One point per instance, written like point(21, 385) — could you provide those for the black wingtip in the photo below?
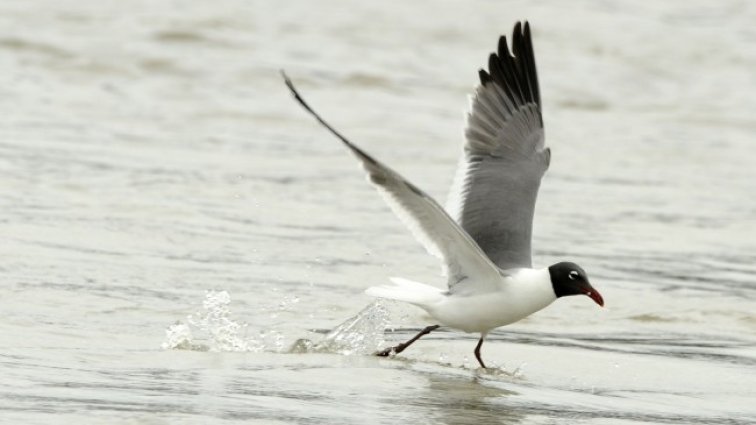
point(495, 68)
point(357, 151)
point(485, 78)
point(517, 40)
point(513, 68)
point(287, 80)
point(294, 91)
point(503, 47)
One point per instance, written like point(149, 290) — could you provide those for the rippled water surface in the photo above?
point(180, 243)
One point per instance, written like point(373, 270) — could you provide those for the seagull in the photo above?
point(483, 238)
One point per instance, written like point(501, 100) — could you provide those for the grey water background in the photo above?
point(151, 160)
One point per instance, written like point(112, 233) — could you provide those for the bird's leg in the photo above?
point(477, 351)
point(399, 348)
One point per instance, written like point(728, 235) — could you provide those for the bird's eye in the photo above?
point(573, 275)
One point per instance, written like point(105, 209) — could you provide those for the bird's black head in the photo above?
point(570, 279)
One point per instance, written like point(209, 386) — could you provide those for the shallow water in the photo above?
point(151, 160)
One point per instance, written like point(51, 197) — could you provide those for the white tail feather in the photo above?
point(408, 291)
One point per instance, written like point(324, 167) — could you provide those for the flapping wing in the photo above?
point(428, 221)
point(495, 189)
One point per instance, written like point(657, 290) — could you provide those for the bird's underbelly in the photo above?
point(483, 312)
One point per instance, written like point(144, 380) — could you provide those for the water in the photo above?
point(182, 244)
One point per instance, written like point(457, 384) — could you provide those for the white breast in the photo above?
point(521, 294)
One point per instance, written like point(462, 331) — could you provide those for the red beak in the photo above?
point(594, 294)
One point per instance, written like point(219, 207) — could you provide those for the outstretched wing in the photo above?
point(428, 221)
point(495, 189)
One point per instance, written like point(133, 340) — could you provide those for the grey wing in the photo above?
point(495, 189)
point(461, 257)
point(430, 224)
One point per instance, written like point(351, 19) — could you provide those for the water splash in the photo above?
point(212, 329)
point(359, 335)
